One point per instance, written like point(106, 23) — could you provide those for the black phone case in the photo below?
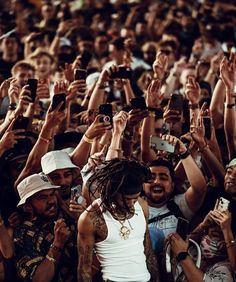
point(80, 74)
point(182, 227)
point(33, 84)
point(106, 109)
point(57, 99)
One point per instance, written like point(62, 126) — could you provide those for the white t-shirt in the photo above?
point(160, 229)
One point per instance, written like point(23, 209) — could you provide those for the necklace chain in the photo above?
point(124, 230)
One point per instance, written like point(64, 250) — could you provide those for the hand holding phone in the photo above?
point(57, 99)
point(80, 74)
point(161, 145)
point(76, 195)
point(207, 124)
point(21, 122)
point(222, 204)
point(122, 72)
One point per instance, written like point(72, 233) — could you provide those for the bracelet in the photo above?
point(230, 106)
point(193, 106)
point(55, 248)
point(184, 155)
point(152, 114)
point(12, 107)
point(51, 259)
point(101, 85)
point(114, 149)
point(45, 140)
point(201, 150)
point(230, 244)
point(87, 139)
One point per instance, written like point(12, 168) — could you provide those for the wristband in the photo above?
point(12, 106)
point(193, 106)
point(101, 85)
point(184, 155)
point(230, 106)
point(230, 244)
point(51, 259)
point(181, 256)
point(87, 139)
point(45, 140)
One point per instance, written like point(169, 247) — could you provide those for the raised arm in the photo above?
point(85, 244)
point(227, 73)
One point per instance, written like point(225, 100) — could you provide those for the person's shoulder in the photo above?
point(143, 203)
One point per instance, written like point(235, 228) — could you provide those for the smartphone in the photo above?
point(86, 57)
point(57, 99)
point(182, 227)
point(21, 122)
point(122, 72)
point(176, 102)
point(222, 204)
point(138, 103)
point(207, 125)
point(76, 194)
point(106, 109)
point(80, 74)
point(33, 84)
point(161, 145)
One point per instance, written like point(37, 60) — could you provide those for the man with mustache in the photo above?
point(164, 205)
point(45, 246)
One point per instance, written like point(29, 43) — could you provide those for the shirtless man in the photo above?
point(115, 226)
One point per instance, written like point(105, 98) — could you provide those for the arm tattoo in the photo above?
point(152, 263)
point(84, 271)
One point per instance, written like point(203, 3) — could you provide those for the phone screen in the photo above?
point(176, 102)
point(57, 99)
point(182, 227)
point(80, 74)
point(21, 122)
point(207, 125)
point(138, 103)
point(161, 145)
point(122, 72)
point(33, 84)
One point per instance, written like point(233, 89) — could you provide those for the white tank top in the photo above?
point(124, 260)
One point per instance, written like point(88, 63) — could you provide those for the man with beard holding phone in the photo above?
point(45, 243)
point(164, 205)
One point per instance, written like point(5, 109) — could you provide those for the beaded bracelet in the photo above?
point(55, 248)
point(230, 106)
point(44, 139)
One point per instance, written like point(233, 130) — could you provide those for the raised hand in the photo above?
point(160, 66)
point(98, 127)
point(61, 233)
point(154, 96)
point(227, 72)
point(120, 121)
point(192, 90)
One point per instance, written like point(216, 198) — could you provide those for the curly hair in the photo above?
point(118, 176)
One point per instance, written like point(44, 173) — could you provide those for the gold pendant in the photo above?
point(124, 232)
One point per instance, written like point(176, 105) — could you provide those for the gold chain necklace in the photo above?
point(124, 230)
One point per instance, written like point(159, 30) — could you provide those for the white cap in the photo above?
point(56, 160)
point(33, 184)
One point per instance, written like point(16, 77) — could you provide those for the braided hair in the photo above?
point(118, 176)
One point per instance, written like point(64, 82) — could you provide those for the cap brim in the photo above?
point(47, 171)
point(23, 200)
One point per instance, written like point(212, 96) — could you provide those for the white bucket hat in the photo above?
point(56, 160)
point(33, 184)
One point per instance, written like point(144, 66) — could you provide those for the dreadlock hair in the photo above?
point(118, 176)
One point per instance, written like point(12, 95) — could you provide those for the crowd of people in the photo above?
point(117, 140)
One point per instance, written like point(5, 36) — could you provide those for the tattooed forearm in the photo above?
point(152, 263)
point(84, 270)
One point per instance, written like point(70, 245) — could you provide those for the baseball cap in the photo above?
point(56, 160)
point(33, 184)
point(232, 163)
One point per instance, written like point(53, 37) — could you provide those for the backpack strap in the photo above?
point(173, 210)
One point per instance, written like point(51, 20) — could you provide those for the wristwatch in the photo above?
point(181, 256)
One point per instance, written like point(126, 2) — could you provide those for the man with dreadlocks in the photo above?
point(115, 226)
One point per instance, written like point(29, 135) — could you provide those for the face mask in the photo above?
point(211, 248)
